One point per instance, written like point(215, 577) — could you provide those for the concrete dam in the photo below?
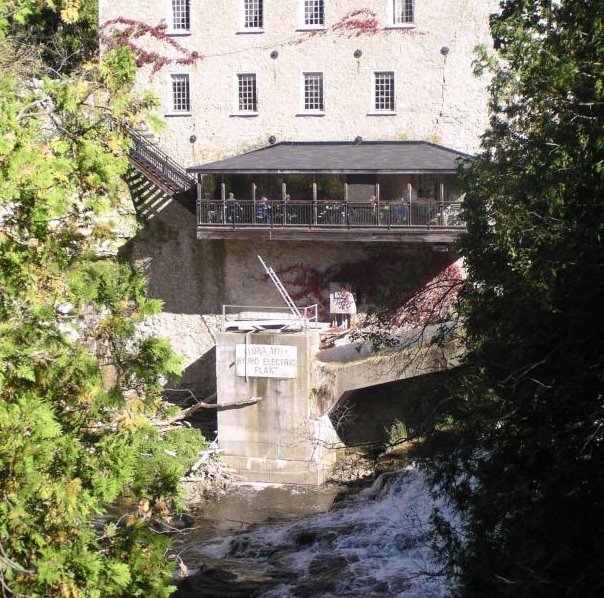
point(278, 391)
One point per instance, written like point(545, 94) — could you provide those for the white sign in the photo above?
point(266, 361)
point(341, 299)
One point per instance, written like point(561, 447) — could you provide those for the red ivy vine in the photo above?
point(354, 24)
point(404, 292)
point(123, 32)
point(434, 302)
point(357, 23)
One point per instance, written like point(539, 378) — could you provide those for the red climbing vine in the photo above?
point(434, 302)
point(125, 32)
point(403, 291)
point(357, 23)
point(353, 24)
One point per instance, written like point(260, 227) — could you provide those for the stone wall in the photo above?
point(196, 278)
point(437, 97)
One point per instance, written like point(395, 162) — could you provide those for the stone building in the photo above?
point(312, 70)
point(337, 111)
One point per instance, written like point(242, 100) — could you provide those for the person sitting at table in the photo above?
point(233, 209)
point(400, 211)
point(263, 210)
point(289, 211)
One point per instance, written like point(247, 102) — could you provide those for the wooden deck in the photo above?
point(291, 233)
point(421, 222)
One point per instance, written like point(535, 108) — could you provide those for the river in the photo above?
point(283, 541)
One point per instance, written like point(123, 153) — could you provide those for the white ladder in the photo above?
point(288, 300)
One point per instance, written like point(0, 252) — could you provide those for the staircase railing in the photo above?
point(160, 164)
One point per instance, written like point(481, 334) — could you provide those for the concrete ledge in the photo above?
point(277, 471)
point(336, 379)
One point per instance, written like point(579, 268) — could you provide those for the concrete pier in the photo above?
point(268, 424)
point(276, 391)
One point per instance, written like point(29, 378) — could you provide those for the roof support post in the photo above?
point(376, 205)
point(314, 203)
point(409, 195)
point(441, 193)
point(223, 197)
point(254, 219)
point(344, 211)
point(198, 189)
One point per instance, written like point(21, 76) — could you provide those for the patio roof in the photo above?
point(367, 157)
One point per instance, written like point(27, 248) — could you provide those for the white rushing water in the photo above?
point(372, 544)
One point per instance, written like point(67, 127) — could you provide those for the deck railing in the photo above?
point(300, 214)
point(234, 316)
point(160, 164)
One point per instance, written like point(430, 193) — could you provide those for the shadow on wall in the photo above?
point(185, 273)
point(148, 199)
point(200, 376)
point(369, 418)
point(198, 383)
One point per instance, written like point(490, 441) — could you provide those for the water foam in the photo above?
point(374, 544)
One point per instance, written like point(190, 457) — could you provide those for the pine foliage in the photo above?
point(524, 437)
point(78, 386)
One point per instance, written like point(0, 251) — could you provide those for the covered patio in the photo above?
point(361, 191)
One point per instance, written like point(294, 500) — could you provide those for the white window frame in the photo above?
point(239, 79)
point(374, 94)
point(246, 8)
point(172, 29)
point(174, 108)
point(395, 8)
point(316, 4)
point(319, 111)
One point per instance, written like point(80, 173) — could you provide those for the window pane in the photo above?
point(248, 100)
point(403, 11)
point(384, 91)
point(181, 14)
point(313, 12)
point(181, 100)
point(313, 91)
point(253, 13)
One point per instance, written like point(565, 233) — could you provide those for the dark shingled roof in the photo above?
point(341, 157)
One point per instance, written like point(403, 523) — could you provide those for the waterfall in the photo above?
point(374, 543)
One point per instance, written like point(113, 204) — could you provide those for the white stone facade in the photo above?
point(437, 98)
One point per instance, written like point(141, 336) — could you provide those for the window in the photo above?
point(314, 13)
point(248, 97)
point(384, 92)
point(181, 15)
point(181, 95)
point(313, 92)
point(253, 14)
point(403, 12)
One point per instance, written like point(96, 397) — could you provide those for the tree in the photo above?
point(524, 434)
point(78, 386)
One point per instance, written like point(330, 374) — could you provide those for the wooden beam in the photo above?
point(408, 234)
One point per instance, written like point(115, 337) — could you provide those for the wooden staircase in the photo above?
point(158, 170)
